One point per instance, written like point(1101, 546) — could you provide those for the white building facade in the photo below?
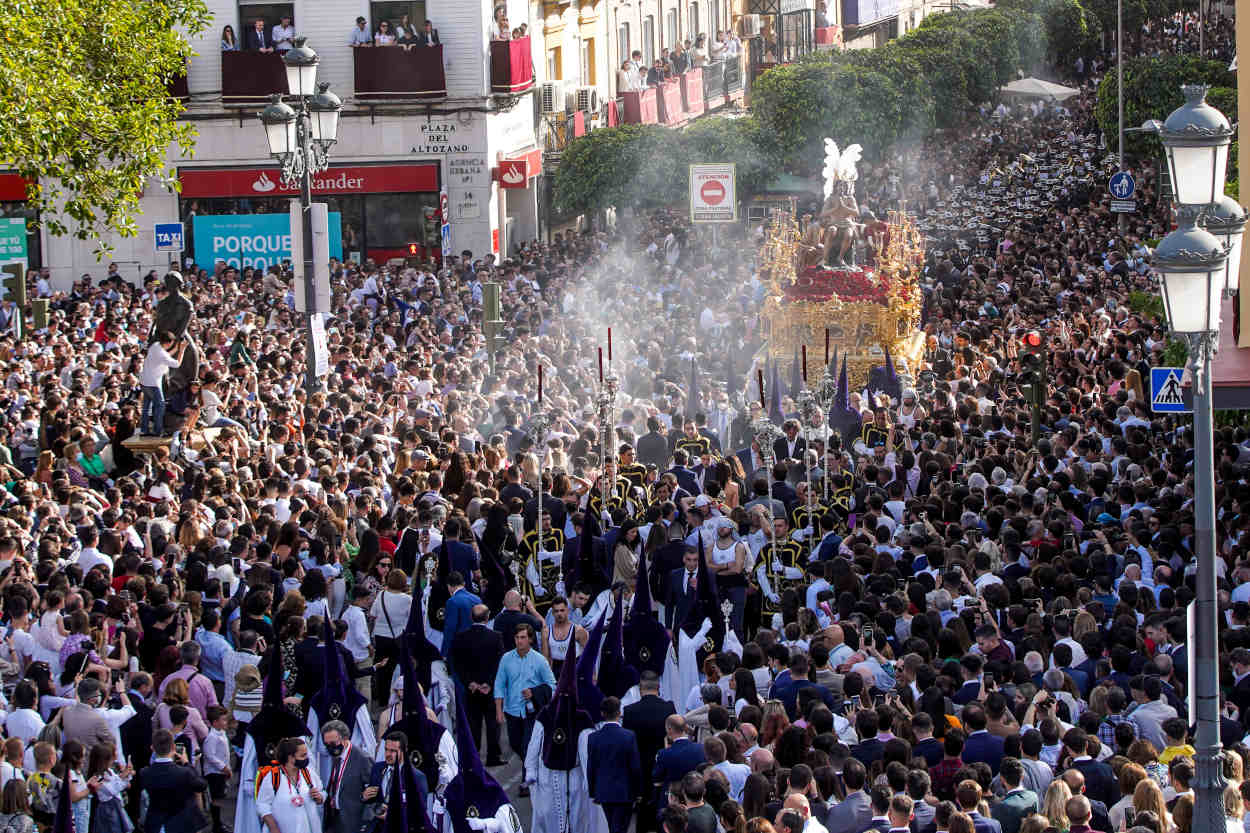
point(407, 136)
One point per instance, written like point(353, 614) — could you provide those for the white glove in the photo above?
point(487, 825)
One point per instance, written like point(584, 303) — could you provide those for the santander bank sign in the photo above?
point(339, 183)
point(339, 179)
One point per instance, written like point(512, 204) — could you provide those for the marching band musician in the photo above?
point(543, 559)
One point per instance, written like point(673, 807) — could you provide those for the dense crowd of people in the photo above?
point(312, 610)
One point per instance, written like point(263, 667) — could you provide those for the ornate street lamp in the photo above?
point(1195, 266)
point(300, 139)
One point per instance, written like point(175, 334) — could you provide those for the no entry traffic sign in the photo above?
point(712, 192)
point(713, 197)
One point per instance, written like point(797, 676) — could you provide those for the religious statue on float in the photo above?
point(840, 213)
point(830, 241)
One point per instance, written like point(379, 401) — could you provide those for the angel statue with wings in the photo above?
point(839, 213)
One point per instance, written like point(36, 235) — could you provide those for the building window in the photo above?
point(693, 21)
point(270, 13)
point(648, 40)
point(588, 61)
point(622, 42)
point(393, 11)
point(670, 28)
point(555, 71)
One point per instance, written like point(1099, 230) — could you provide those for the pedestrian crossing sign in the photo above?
point(1167, 394)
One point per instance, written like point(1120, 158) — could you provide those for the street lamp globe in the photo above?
point(279, 121)
point(325, 107)
point(1191, 262)
point(301, 69)
point(1195, 139)
point(1226, 219)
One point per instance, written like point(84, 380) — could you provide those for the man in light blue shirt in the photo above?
point(213, 649)
point(521, 671)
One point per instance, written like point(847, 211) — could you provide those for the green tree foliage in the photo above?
point(1071, 32)
point(876, 98)
point(85, 108)
point(741, 141)
point(647, 165)
point(1152, 90)
point(628, 165)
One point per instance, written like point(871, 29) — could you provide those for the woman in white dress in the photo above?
point(289, 796)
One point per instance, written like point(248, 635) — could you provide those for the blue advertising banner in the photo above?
point(864, 12)
point(256, 240)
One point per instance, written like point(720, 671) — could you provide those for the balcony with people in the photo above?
point(683, 83)
point(511, 61)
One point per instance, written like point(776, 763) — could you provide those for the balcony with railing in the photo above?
point(249, 78)
point(511, 66)
point(679, 99)
point(395, 73)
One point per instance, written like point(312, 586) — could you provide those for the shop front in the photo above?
point(381, 208)
point(15, 212)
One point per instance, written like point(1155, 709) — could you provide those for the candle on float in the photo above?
point(826, 345)
point(805, 364)
point(540, 384)
point(601, 365)
point(609, 345)
point(759, 378)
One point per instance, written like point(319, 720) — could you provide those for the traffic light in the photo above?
point(1032, 367)
point(414, 255)
point(40, 309)
point(15, 284)
point(492, 323)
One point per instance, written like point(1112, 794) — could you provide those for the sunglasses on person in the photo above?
point(385, 564)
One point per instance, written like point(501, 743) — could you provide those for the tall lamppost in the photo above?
point(300, 140)
point(1196, 266)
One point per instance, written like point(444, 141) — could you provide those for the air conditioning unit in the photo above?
point(551, 95)
point(584, 98)
point(750, 26)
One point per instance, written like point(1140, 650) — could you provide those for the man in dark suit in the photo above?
point(475, 654)
point(459, 612)
point(171, 786)
point(781, 490)
point(970, 666)
point(460, 556)
point(429, 37)
point(870, 748)
point(646, 720)
point(680, 755)
point(136, 732)
point(1099, 819)
point(1100, 781)
point(927, 746)
point(686, 478)
point(349, 775)
point(613, 770)
point(968, 797)
point(255, 39)
point(854, 812)
point(981, 746)
point(879, 796)
point(652, 446)
point(1240, 695)
point(791, 446)
point(681, 589)
point(922, 812)
point(377, 795)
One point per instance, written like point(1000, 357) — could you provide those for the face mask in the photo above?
point(301, 763)
point(334, 749)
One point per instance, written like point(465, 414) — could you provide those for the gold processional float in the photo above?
point(814, 285)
